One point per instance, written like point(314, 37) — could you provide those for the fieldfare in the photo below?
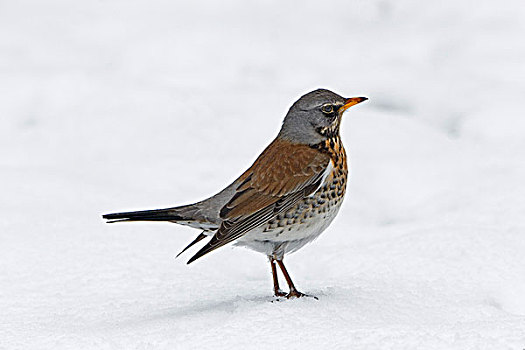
point(287, 198)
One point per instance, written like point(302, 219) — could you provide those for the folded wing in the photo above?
point(283, 174)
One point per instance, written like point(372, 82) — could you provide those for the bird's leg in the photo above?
point(276, 290)
point(294, 293)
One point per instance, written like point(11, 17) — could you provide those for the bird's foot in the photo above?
point(279, 293)
point(294, 293)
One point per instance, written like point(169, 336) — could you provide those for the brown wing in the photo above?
point(282, 175)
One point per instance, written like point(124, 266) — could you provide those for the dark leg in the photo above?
point(276, 290)
point(294, 293)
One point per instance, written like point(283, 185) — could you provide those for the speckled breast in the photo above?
point(313, 214)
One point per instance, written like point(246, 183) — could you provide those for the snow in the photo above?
point(117, 105)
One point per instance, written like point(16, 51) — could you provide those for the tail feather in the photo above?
point(188, 215)
point(170, 214)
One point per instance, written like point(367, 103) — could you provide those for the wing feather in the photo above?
point(282, 175)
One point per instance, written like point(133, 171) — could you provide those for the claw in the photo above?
point(296, 294)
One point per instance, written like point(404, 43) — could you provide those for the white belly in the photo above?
point(292, 234)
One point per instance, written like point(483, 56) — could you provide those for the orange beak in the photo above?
point(350, 102)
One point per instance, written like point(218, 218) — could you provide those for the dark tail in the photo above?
point(170, 214)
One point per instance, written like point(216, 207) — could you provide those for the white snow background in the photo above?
point(126, 105)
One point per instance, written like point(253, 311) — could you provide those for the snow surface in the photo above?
point(122, 105)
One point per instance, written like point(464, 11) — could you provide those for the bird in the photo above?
point(284, 200)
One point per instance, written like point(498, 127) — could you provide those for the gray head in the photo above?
point(316, 116)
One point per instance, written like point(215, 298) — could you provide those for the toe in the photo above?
point(296, 294)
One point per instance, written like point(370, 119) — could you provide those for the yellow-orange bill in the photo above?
point(352, 101)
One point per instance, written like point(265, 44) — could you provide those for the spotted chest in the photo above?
point(335, 183)
point(308, 218)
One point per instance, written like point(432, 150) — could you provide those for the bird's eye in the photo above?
point(327, 108)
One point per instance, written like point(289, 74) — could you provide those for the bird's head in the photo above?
point(316, 116)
